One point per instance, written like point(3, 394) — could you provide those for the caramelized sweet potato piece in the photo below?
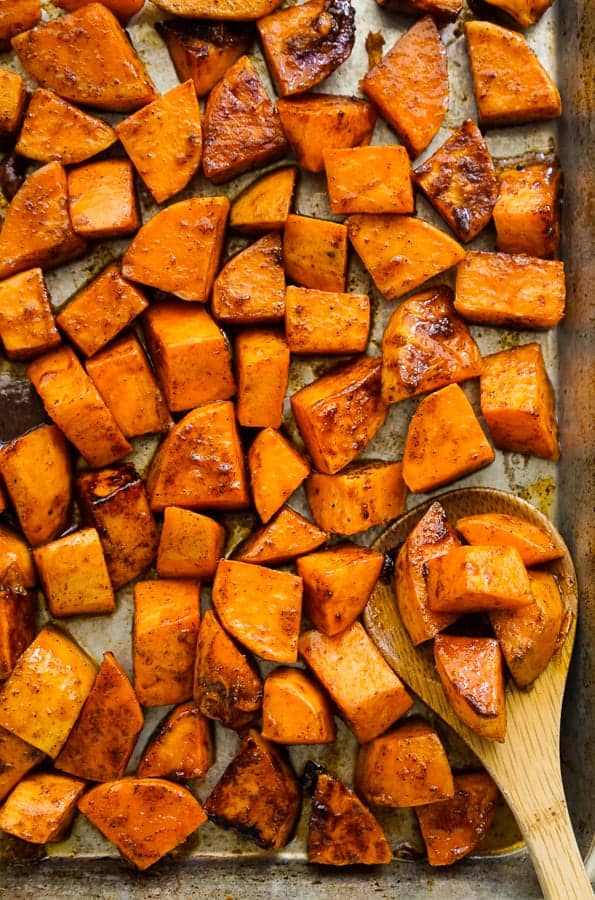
point(444, 441)
point(276, 471)
point(74, 575)
point(510, 84)
point(242, 129)
point(16, 759)
point(250, 288)
point(227, 685)
point(401, 252)
point(315, 252)
point(369, 180)
point(181, 748)
point(122, 9)
point(339, 414)
point(27, 325)
point(497, 529)
point(426, 346)
point(337, 584)
point(452, 829)
point(527, 214)
point(102, 199)
point(265, 204)
point(87, 58)
point(295, 710)
point(472, 676)
point(369, 695)
point(16, 557)
point(17, 16)
point(18, 620)
point(518, 402)
point(326, 321)
point(410, 85)
point(190, 545)
point(477, 579)
point(144, 817)
point(242, 10)
point(441, 10)
point(13, 97)
point(284, 538)
point(524, 12)
point(262, 364)
point(41, 807)
point(314, 123)
point(101, 743)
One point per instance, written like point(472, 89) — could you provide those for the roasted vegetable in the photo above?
point(262, 367)
point(369, 179)
point(27, 325)
point(242, 10)
point(41, 807)
point(13, 98)
point(284, 538)
point(18, 620)
point(181, 748)
point(315, 253)
point(123, 9)
point(102, 199)
point(265, 204)
point(16, 560)
point(74, 576)
point(17, 16)
point(441, 10)
point(276, 471)
point(527, 214)
point(250, 288)
point(326, 322)
point(16, 759)
point(477, 579)
point(295, 710)
point(524, 12)
point(190, 545)
point(500, 530)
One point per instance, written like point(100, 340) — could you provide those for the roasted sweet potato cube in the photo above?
point(401, 252)
point(164, 141)
point(534, 544)
point(178, 250)
point(265, 204)
point(166, 619)
point(242, 129)
point(441, 10)
point(190, 545)
point(315, 123)
point(326, 321)
point(115, 502)
point(123, 9)
point(204, 51)
point(45, 692)
point(74, 576)
point(41, 807)
point(477, 579)
point(510, 84)
point(315, 253)
point(407, 766)
point(369, 180)
point(528, 636)
point(444, 441)
point(453, 828)
point(276, 471)
point(36, 472)
point(102, 200)
point(74, 403)
point(18, 620)
point(16, 560)
point(102, 309)
point(12, 104)
point(87, 58)
point(250, 288)
point(432, 536)
point(518, 402)
point(16, 759)
point(227, 685)
point(228, 10)
point(527, 213)
point(181, 748)
point(101, 743)
point(304, 44)
point(368, 694)
point(524, 12)
point(122, 375)
point(358, 498)
point(200, 464)
point(257, 795)
point(426, 346)
point(27, 325)
point(190, 354)
point(284, 538)
point(262, 365)
point(144, 817)
point(295, 710)
point(17, 16)
point(339, 414)
point(460, 182)
point(410, 85)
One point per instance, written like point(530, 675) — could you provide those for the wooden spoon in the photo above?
point(527, 766)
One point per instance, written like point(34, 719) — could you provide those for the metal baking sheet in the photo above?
point(219, 864)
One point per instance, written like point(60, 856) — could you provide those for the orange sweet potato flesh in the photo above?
point(41, 808)
point(452, 829)
point(16, 17)
point(181, 748)
point(527, 213)
point(369, 180)
point(477, 579)
point(13, 100)
point(87, 58)
point(441, 10)
point(472, 676)
point(190, 545)
point(250, 288)
point(265, 204)
point(262, 364)
point(241, 10)
point(74, 576)
point(144, 817)
point(102, 199)
point(16, 559)
point(123, 9)
point(276, 471)
point(16, 759)
point(410, 85)
point(315, 253)
point(27, 324)
point(284, 538)
point(326, 321)
point(295, 710)
point(524, 12)
point(498, 529)
point(18, 621)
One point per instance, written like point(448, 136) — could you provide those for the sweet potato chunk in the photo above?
point(497, 529)
point(265, 204)
point(510, 84)
point(295, 710)
point(36, 473)
point(250, 288)
point(460, 182)
point(242, 129)
point(27, 325)
point(200, 464)
point(122, 9)
point(16, 560)
point(102, 199)
point(326, 321)
point(101, 743)
point(432, 536)
point(16, 759)
point(407, 766)
point(13, 97)
point(441, 10)
point(426, 346)
point(513, 291)
point(477, 579)
point(190, 545)
point(518, 402)
point(87, 58)
point(452, 829)
point(527, 214)
point(144, 817)
point(369, 695)
point(242, 10)
point(524, 12)
point(227, 685)
point(444, 441)
point(262, 364)
point(18, 620)
point(358, 498)
point(401, 252)
point(178, 250)
point(528, 636)
point(284, 538)
point(17, 16)
point(41, 807)
point(472, 676)
point(181, 748)
point(74, 575)
point(369, 180)
point(315, 253)
point(276, 471)
point(338, 584)
point(315, 123)
point(410, 85)
point(339, 414)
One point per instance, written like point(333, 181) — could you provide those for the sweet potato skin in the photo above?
point(181, 747)
point(295, 710)
point(41, 807)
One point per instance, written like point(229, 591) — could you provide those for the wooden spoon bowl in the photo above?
point(527, 766)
